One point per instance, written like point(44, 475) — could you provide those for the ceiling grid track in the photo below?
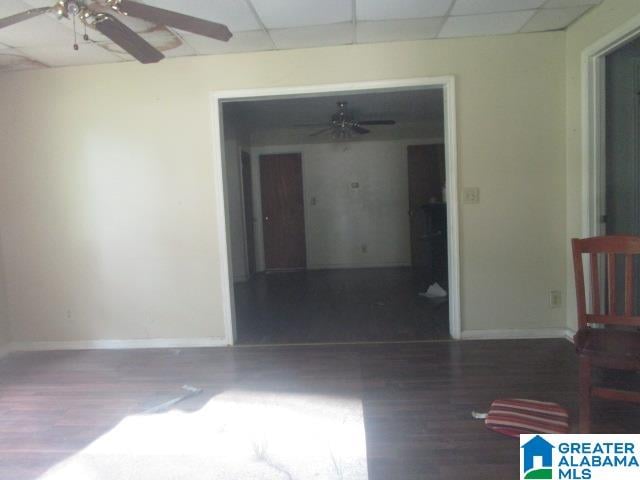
point(260, 22)
point(444, 18)
point(354, 21)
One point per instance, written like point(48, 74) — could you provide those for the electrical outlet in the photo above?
point(471, 195)
point(555, 298)
point(364, 248)
point(355, 185)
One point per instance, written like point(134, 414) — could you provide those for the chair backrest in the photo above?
point(611, 249)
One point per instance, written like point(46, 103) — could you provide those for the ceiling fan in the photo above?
point(343, 125)
point(99, 17)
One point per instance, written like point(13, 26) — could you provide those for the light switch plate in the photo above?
point(555, 299)
point(471, 195)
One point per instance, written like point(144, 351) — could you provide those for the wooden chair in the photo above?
point(606, 338)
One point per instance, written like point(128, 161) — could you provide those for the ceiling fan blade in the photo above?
point(173, 19)
point(21, 17)
point(126, 38)
point(359, 129)
point(320, 132)
point(377, 122)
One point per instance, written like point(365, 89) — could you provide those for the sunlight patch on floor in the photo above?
point(235, 434)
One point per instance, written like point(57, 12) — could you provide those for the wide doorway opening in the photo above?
point(337, 217)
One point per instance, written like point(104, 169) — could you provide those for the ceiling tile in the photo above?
point(59, 56)
point(11, 60)
point(395, 30)
point(314, 36)
point(492, 24)
point(163, 39)
point(410, 9)
point(473, 7)
point(235, 14)
point(300, 13)
point(569, 3)
point(240, 42)
point(10, 7)
point(39, 3)
point(554, 19)
point(43, 30)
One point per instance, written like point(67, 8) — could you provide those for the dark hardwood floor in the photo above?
point(331, 306)
point(416, 397)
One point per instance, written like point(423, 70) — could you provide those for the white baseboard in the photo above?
point(569, 333)
point(119, 344)
point(507, 334)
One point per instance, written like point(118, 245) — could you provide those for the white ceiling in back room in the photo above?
point(257, 25)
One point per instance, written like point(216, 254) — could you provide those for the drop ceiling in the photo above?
point(259, 25)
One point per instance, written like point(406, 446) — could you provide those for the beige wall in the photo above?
point(595, 25)
point(107, 183)
point(339, 219)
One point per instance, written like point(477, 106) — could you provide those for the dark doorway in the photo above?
point(622, 216)
point(428, 212)
point(283, 212)
point(623, 140)
point(349, 242)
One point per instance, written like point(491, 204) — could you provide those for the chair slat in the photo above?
point(595, 284)
point(628, 285)
point(631, 321)
point(613, 394)
point(611, 281)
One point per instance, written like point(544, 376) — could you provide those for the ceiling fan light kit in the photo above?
point(119, 33)
point(342, 125)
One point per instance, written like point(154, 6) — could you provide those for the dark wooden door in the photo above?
point(247, 195)
point(283, 212)
point(426, 182)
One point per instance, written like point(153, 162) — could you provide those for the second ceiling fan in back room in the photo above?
point(99, 15)
point(343, 125)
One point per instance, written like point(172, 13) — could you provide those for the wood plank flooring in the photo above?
point(416, 397)
point(332, 306)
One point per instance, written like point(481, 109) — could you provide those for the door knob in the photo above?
point(266, 219)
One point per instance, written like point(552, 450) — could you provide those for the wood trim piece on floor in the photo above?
point(351, 266)
point(507, 334)
point(117, 344)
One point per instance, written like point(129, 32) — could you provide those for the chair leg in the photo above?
point(585, 395)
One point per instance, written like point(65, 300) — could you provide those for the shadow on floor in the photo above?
point(333, 306)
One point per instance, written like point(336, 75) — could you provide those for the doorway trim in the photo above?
point(594, 123)
point(447, 83)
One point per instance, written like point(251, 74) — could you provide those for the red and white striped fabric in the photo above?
point(514, 416)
